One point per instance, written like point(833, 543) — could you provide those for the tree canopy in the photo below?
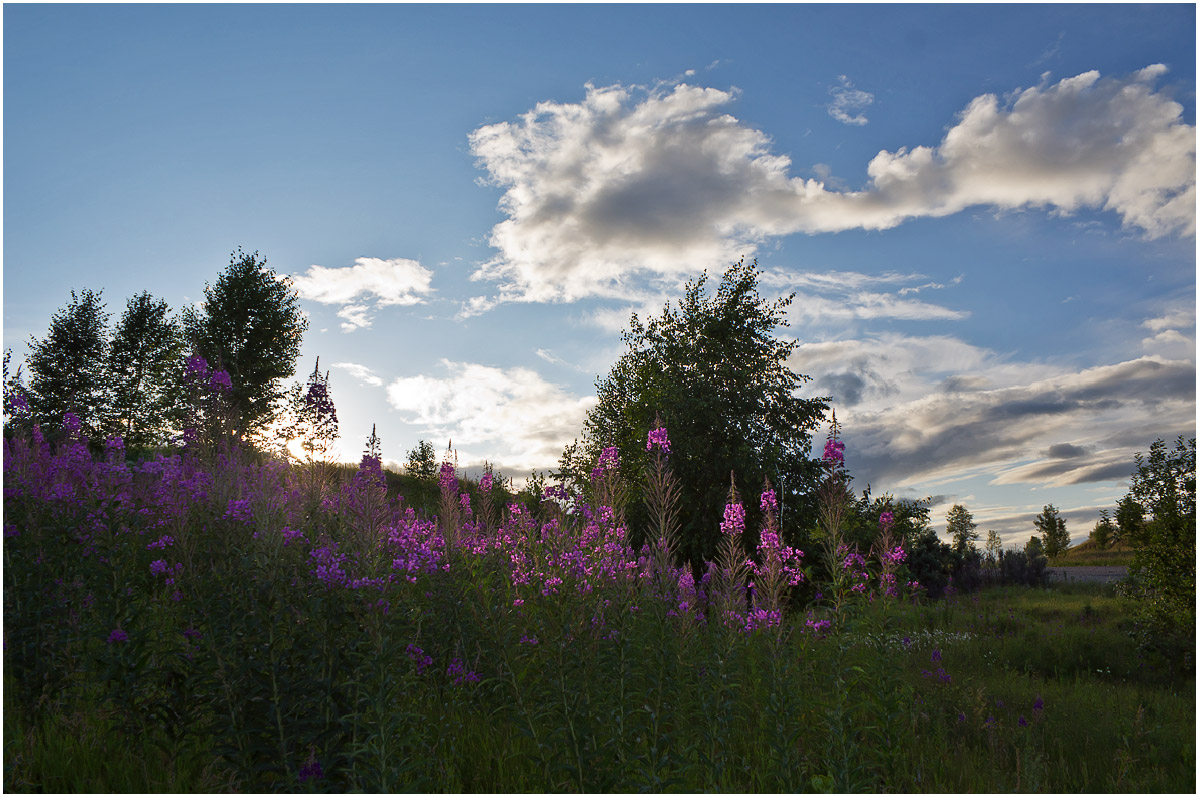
point(1052, 527)
point(250, 326)
point(713, 372)
point(67, 367)
point(145, 364)
point(960, 525)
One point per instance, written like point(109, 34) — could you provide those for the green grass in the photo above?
point(1087, 554)
point(659, 710)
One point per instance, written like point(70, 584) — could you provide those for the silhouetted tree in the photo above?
point(67, 368)
point(250, 326)
point(145, 365)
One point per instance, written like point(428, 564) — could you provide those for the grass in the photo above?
point(290, 650)
point(1088, 554)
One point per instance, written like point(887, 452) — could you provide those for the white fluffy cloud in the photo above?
point(512, 411)
point(370, 283)
point(635, 185)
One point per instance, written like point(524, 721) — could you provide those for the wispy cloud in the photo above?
point(921, 410)
point(512, 411)
point(361, 373)
point(363, 287)
point(849, 103)
point(634, 186)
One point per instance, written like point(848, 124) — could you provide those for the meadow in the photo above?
point(217, 620)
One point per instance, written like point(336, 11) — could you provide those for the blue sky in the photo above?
point(986, 213)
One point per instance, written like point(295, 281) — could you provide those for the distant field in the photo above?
point(1087, 554)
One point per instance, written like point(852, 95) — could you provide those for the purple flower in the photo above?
point(936, 655)
point(311, 770)
point(447, 477)
point(71, 424)
point(158, 567)
point(734, 519)
point(1023, 722)
point(961, 716)
point(1039, 704)
point(769, 501)
point(657, 437)
point(486, 483)
point(834, 452)
point(117, 635)
point(221, 382)
point(886, 520)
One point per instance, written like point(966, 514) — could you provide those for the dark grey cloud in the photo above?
point(1066, 451)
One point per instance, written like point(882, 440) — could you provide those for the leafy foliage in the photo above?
point(251, 327)
point(1054, 537)
point(713, 371)
point(962, 529)
point(1104, 533)
point(145, 364)
point(67, 367)
point(1157, 517)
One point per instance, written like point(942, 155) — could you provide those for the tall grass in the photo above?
point(231, 625)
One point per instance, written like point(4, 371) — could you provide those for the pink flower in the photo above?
point(734, 519)
point(657, 437)
point(834, 452)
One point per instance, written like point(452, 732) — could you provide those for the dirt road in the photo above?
point(1058, 575)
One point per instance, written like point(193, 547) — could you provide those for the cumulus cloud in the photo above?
point(848, 102)
point(634, 185)
point(512, 411)
point(363, 287)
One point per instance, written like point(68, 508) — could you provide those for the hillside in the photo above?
point(1087, 554)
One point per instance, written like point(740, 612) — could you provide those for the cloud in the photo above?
point(843, 295)
point(361, 373)
point(636, 186)
point(512, 411)
point(848, 102)
point(363, 287)
point(1019, 433)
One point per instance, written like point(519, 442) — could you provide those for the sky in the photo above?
point(986, 214)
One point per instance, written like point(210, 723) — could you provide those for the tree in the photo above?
point(962, 529)
point(422, 461)
point(994, 546)
point(719, 379)
point(1104, 531)
point(250, 326)
point(67, 371)
point(16, 397)
point(145, 364)
point(1033, 548)
point(1159, 523)
point(1054, 536)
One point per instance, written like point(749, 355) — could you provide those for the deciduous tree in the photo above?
point(962, 529)
point(250, 326)
point(145, 365)
point(1052, 527)
point(67, 368)
point(713, 369)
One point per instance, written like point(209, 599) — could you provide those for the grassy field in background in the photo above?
point(1087, 554)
